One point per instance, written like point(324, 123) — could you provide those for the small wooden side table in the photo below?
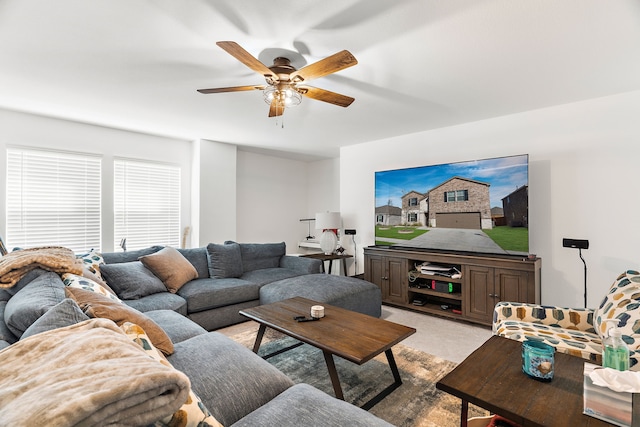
point(330, 258)
point(492, 378)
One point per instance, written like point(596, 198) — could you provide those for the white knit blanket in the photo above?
point(87, 374)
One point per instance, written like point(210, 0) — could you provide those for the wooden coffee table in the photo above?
point(353, 336)
point(492, 378)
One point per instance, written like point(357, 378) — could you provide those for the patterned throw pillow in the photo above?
point(92, 262)
point(622, 303)
point(80, 282)
point(193, 413)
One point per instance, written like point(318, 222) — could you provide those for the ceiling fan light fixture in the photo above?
point(288, 97)
point(284, 88)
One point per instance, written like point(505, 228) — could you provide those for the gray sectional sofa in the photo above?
point(238, 387)
point(229, 278)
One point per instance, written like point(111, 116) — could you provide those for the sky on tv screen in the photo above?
point(504, 174)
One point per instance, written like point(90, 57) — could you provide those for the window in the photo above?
point(456, 196)
point(379, 218)
point(413, 201)
point(146, 204)
point(412, 217)
point(53, 198)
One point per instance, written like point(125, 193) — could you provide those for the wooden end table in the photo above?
point(353, 336)
point(492, 378)
point(330, 258)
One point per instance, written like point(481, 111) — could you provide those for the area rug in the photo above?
point(415, 403)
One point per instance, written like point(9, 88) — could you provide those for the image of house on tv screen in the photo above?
point(474, 206)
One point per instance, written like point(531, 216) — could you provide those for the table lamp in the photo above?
point(328, 222)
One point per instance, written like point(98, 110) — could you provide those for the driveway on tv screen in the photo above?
point(453, 239)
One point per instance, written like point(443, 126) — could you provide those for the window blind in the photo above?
point(146, 204)
point(53, 198)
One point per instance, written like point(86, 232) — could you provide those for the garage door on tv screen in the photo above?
point(476, 206)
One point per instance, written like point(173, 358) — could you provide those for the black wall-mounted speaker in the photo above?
point(575, 243)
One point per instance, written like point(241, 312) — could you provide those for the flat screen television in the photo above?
point(477, 206)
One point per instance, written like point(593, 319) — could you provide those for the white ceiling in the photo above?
point(423, 64)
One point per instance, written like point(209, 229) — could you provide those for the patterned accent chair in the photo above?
point(577, 331)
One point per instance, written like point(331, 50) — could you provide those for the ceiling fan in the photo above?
point(285, 84)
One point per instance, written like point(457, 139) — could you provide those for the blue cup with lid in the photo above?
point(537, 360)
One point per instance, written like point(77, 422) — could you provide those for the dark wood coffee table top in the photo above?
point(492, 378)
point(347, 334)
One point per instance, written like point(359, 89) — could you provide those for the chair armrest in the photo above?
point(302, 264)
point(580, 319)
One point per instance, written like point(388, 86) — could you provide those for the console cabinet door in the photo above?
point(479, 293)
point(374, 271)
point(389, 274)
point(513, 285)
point(397, 280)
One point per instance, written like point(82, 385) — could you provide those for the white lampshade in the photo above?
point(327, 220)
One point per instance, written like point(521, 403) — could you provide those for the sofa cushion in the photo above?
point(231, 380)
point(5, 332)
point(177, 326)
point(268, 275)
point(198, 258)
point(159, 301)
point(65, 313)
point(129, 256)
point(171, 267)
point(304, 405)
point(32, 301)
point(256, 256)
point(225, 261)
point(622, 302)
point(5, 295)
point(132, 280)
point(205, 294)
point(96, 305)
point(25, 280)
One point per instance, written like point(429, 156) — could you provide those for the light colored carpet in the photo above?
point(415, 403)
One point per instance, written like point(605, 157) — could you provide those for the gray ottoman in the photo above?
point(345, 292)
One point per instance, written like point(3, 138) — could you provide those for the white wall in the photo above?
point(20, 129)
point(271, 199)
point(214, 192)
point(583, 183)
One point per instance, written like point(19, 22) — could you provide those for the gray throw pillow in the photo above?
point(65, 313)
point(225, 261)
point(131, 280)
point(5, 333)
point(256, 256)
point(197, 257)
point(32, 301)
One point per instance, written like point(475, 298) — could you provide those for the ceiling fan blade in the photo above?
point(331, 64)
point(325, 96)
point(232, 89)
point(235, 50)
point(275, 109)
